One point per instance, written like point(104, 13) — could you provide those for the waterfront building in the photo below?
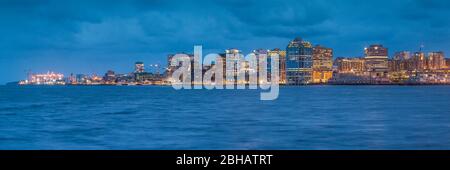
point(401, 62)
point(232, 69)
point(110, 77)
point(148, 78)
point(434, 77)
point(400, 66)
point(447, 62)
point(171, 69)
point(376, 63)
point(394, 65)
point(124, 78)
point(436, 60)
point(398, 76)
point(402, 55)
point(72, 79)
point(49, 78)
point(139, 67)
point(282, 59)
point(95, 80)
point(222, 59)
point(299, 62)
point(322, 64)
point(351, 79)
point(258, 53)
point(353, 65)
point(419, 61)
point(81, 78)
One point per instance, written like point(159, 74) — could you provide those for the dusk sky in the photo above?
point(93, 36)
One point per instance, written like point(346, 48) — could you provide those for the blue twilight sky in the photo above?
point(93, 36)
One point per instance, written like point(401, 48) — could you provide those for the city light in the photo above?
point(300, 64)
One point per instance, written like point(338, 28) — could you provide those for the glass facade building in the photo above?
point(299, 62)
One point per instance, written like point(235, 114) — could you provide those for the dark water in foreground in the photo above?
point(314, 117)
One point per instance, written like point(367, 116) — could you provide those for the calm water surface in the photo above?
point(313, 117)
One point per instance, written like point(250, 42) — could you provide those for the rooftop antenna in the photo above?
point(421, 47)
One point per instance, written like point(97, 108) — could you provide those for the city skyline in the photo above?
point(300, 64)
point(84, 37)
point(322, 69)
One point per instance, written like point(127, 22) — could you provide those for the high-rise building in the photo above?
point(419, 61)
point(401, 62)
point(299, 62)
point(232, 69)
point(258, 53)
point(322, 64)
point(402, 55)
point(436, 60)
point(139, 67)
point(376, 57)
point(282, 60)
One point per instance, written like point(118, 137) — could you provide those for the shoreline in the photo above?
point(281, 85)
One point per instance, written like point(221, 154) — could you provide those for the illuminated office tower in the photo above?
point(139, 67)
point(419, 61)
point(270, 55)
point(376, 63)
point(299, 62)
point(259, 53)
point(232, 69)
point(436, 60)
point(282, 60)
point(322, 64)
